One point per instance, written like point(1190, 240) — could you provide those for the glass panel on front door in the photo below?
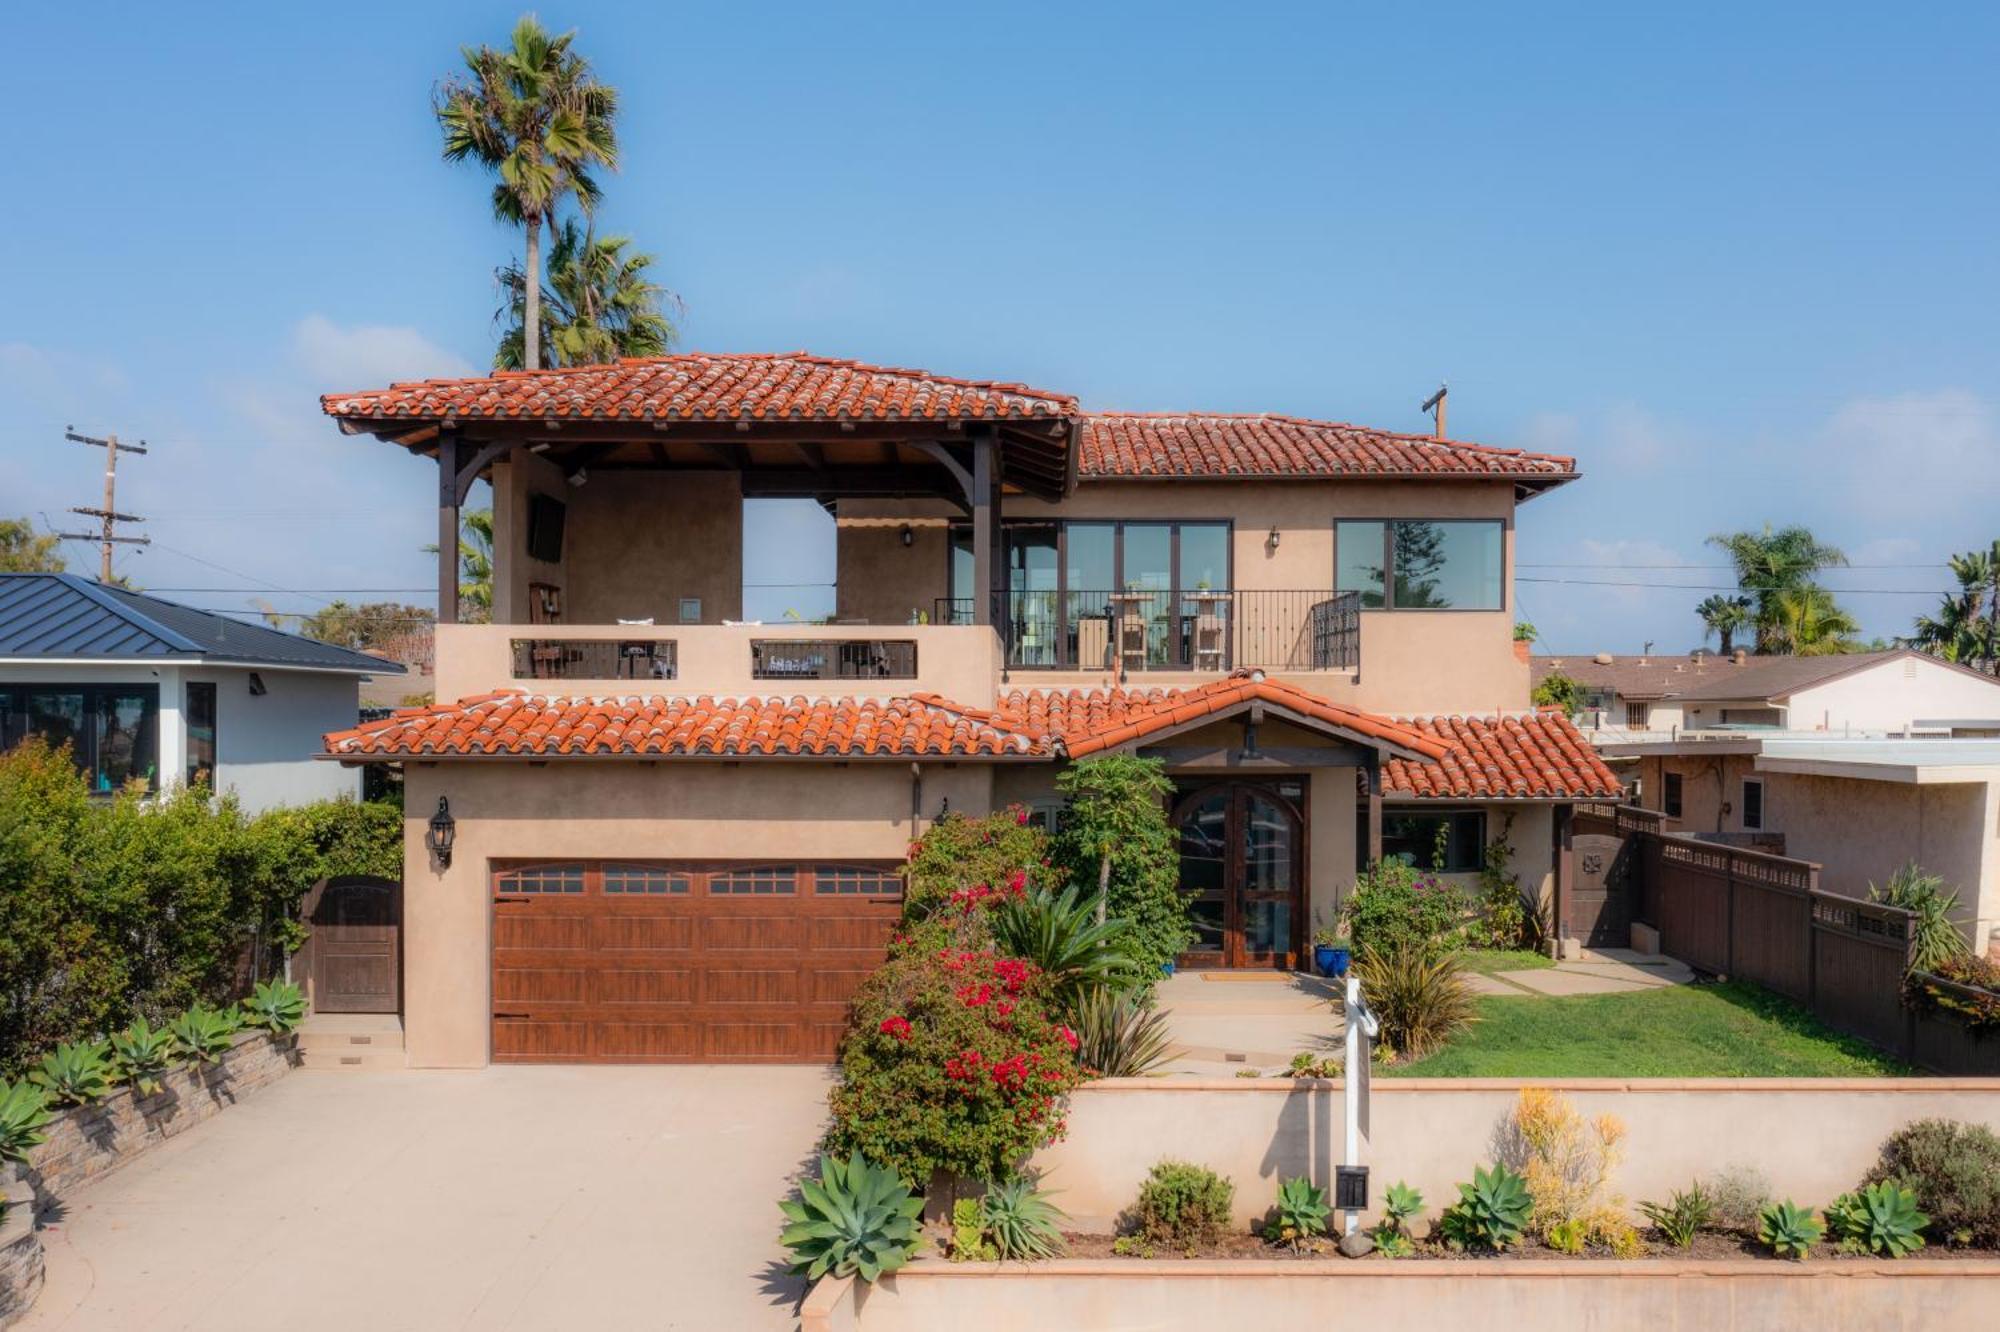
point(1241, 872)
point(1205, 875)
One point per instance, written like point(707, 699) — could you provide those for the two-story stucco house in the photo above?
point(676, 836)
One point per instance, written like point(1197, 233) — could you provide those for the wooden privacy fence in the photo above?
point(1763, 918)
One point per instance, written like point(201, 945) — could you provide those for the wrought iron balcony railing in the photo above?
point(1149, 629)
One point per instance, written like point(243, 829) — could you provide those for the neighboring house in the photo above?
point(678, 836)
point(1860, 808)
point(1860, 693)
point(151, 692)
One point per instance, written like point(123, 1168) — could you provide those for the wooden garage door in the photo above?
point(672, 962)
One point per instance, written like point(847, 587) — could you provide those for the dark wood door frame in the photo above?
point(1240, 792)
point(352, 961)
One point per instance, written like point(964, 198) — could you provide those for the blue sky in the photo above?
point(1742, 264)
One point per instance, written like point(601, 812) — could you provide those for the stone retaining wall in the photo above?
point(20, 1252)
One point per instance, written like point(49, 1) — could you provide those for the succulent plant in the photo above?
point(75, 1074)
point(1789, 1230)
point(1490, 1213)
point(1300, 1214)
point(1681, 1216)
point(856, 1218)
point(24, 1108)
point(276, 1005)
point(204, 1034)
point(1020, 1221)
point(1880, 1218)
point(145, 1053)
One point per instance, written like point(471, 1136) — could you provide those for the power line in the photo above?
point(1711, 587)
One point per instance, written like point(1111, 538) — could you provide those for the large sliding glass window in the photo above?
point(1422, 563)
point(112, 731)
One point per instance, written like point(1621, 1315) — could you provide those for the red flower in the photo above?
point(899, 1027)
point(1017, 882)
point(975, 996)
point(1068, 1037)
point(1021, 818)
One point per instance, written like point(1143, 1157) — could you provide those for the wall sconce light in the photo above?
point(443, 831)
point(908, 537)
point(1271, 541)
point(257, 689)
point(578, 477)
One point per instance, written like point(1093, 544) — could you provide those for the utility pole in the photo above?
point(108, 517)
point(1434, 405)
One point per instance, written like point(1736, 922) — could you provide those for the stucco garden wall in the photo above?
point(1432, 1132)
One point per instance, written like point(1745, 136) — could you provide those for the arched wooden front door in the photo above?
point(356, 946)
point(1243, 873)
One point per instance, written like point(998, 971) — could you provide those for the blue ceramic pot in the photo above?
point(1330, 961)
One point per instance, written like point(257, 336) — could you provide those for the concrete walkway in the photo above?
point(543, 1198)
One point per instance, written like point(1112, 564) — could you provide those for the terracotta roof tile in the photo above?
point(1166, 445)
point(1537, 756)
point(702, 386)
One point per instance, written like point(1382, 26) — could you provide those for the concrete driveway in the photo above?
point(507, 1198)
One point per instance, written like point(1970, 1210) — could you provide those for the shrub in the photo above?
point(276, 1006)
point(855, 1219)
point(1395, 908)
point(1976, 1005)
point(1953, 1170)
point(145, 1053)
point(1491, 1211)
point(953, 1063)
point(1182, 1206)
point(1401, 1205)
point(957, 854)
point(205, 1035)
point(1934, 937)
point(968, 1234)
point(1557, 690)
point(1120, 1034)
point(1420, 999)
point(1020, 1222)
point(1116, 840)
point(1062, 936)
point(1880, 1219)
point(1681, 1217)
point(1567, 1163)
point(75, 1074)
point(1789, 1230)
point(1299, 1214)
point(1738, 1194)
point(24, 1109)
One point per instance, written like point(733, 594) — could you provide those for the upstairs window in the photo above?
point(1670, 795)
point(1422, 563)
point(1753, 805)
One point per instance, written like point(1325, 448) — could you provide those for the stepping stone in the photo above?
point(1566, 981)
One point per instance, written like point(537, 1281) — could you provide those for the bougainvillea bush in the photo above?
point(960, 858)
point(954, 1062)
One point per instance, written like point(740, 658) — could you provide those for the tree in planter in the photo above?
point(1116, 835)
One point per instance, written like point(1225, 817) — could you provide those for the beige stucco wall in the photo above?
point(1431, 1132)
point(515, 479)
point(768, 810)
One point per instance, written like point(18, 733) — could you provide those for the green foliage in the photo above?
point(75, 1074)
point(24, 1109)
point(276, 1006)
point(1966, 628)
point(1724, 616)
point(24, 550)
point(1401, 1205)
point(1789, 612)
point(1879, 1219)
point(1967, 987)
point(145, 1053)
point(968, 1234)
point(1306, 1064)
point(1738, 1194)
point(856, 1218)
point(1934, 936)
point(957, 854)
point(1116, 837)
point(1789, 1230)
point(1120, 1034)
point(1299, 1214)
point(205, 1035)
point(1507, 919)
point(1491, 1211)
point(1420, 999)
point(953, 1062)
point(1062, 936)
point(1681, 1216)
point(126, 908)
point(1181, 1206)
point(1397, 908)
point(1556, 690)
point(1020, 1222)
point(1953, 1171)
point(598, 304)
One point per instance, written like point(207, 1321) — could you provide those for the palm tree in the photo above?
point(1726, 617)
point(598, 304)
point(1772, 563)
point(475, 565)
point(1810, 623)
point(1966, 628)
point(535, 116)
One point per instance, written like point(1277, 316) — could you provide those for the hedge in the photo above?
point(111, 910)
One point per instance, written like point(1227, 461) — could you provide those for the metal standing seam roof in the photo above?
point(64, 617)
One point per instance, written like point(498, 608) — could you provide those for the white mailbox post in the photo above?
point(1351, 1180)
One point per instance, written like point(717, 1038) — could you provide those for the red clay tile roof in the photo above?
point(514, 723)
point(702, 386)
point(1169, 445)
point(1088, 720)
point(1538, 756)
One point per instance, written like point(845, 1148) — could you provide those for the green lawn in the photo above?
point(1486, 961)
point(1726, 1030)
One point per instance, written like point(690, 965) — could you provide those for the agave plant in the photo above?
point(1880, 1218)
point(75, 1074)
point(1119, 1034)
point(856, 1218)
point(1020, 1222)
point(1682, 1216)
point(145, 1053)
point(1934, 935)
point(1789, 1230)
point(24, 1108)
point(1401, 1205)
point(1490, 1213)
point(1300, 1213)
point(277, 1006)
point(1062, 936)
point(203, 1034)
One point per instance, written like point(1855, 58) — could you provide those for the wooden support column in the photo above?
point(447, 543)
point(1373, 774)
point(985, 527)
